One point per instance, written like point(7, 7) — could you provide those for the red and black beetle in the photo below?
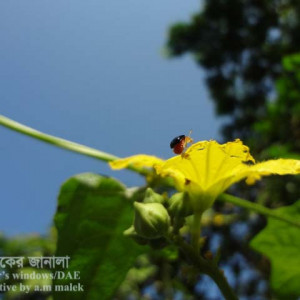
point(178, 144)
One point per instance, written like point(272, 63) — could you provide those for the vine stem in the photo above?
point(208, 267)
point(62, 143)
point(107, 157)
point(257, 208)
point(196, 231)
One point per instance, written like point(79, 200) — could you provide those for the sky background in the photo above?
point(92, 72)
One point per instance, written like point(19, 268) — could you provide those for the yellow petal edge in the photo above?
point(140, 160)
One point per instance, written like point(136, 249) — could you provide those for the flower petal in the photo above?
point(140, 160)
point(273, 167)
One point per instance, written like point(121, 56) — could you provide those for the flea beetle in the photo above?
point(178, 144)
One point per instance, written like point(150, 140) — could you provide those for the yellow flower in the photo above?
point(208, 168)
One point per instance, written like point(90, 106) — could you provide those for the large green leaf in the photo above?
point(93, 211)
point(281, 243)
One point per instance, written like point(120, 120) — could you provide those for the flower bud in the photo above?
point(152, 197)
point(130, 232)
point(151, 220)
point(180, 205)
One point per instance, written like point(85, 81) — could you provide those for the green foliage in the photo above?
point(92, 213)
point(241, 44)
point(26, 246)
point(279, 129)
point(280, 242)
point(278, 133)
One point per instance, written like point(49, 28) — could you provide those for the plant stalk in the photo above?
point(257, 208)
point(207, 267)
point(196, 231)
point(62, 143)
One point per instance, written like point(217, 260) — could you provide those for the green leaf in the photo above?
point(291, 62)
point(280, 242)
point(92, 213)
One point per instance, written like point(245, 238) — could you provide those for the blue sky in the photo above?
point(91, 72)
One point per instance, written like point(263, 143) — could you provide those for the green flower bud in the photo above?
point(130, 232)
point(180, 205)
point(151, 220)
point(152, 197)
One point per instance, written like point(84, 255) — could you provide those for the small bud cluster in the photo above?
point(156, 216)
